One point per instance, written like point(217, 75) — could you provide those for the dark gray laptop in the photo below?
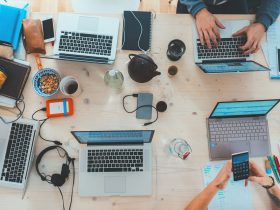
point(239, 126)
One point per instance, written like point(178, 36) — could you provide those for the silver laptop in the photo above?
point(115, 163)
point(86, 38)
point(239, 126)
point(17, 141)
point(227, 57)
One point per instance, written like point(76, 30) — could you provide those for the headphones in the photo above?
point(57, 179)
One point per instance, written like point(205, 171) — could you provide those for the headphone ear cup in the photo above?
point(57, 180)
point(65, 171)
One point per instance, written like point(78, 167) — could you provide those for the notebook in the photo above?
point(10, 24)
point(17, 76)
point(132, 30)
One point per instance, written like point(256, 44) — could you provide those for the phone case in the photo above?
point(144, 112)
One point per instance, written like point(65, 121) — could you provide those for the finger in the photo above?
point(250, 50)
point(257, 48)
point(247, 45)
point(240, 32)
point(217, 33)
point(213, 37)
point(246, 182)
point(201, 38)
point(219, 24)
point(207, 39)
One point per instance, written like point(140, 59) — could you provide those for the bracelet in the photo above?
point(269, 186)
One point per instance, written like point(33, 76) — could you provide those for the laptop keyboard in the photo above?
point(85, 43)
point(250, 130)
point(115, 160)
point(17, 152)
point(227, 48)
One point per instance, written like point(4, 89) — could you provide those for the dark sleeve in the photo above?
point(275, 199)
point(194, 6)
point(268, 12)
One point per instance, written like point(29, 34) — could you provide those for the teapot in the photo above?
point(142, 68)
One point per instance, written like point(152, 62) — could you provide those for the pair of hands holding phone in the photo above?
point(256, 175)
point(208, 30)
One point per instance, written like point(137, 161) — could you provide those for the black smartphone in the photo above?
point(240, 165)
point(278, 55)
point(48, 30)
point(144, 112)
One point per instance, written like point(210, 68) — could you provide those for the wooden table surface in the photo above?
point(191, 95)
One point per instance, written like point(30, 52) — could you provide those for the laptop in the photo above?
point(17, 141)
point(227, 57)
point(239, 126)
point(115, 163)
point(86, 38)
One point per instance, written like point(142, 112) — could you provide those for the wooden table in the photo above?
point(191, 95)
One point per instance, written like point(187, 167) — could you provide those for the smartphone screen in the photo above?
point(144, 99)
point(48, 29)
point(240, 166)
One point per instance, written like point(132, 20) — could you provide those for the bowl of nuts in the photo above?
point(46, 82)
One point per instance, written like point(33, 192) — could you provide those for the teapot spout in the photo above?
point(156, 73)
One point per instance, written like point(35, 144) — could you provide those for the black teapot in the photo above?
point(142, 68)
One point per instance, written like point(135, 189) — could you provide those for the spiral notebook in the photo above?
point(132, 30)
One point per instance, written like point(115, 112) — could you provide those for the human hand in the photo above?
point(223, 176)
point(257, 175)
point(208, 27)
point(254, 33)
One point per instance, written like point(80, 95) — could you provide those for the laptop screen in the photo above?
point(243, 108)
point(220, 67)
point(107, 137)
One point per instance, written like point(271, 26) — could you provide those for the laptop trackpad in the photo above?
point(114, 184)
point(88, 24)
point(239, 146)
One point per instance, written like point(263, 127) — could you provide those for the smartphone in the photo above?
point(48, 30)
point(240, 165)
point(144, 112)
point(278, 56)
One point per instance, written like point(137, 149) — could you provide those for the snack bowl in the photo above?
point(46, 82)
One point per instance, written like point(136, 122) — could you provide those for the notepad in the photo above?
point(234, 196)
point(10, 24)
point(17, 76)
point(137, 36)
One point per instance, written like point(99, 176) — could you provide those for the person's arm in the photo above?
point(194, 6)
point(201, 201)
point(268, 12)
point(260, 177)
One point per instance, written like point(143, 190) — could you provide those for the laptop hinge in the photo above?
point(115, 144)
point(90, 59)
point(224, 61)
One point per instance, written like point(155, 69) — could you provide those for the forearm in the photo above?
point(268, 12)
point(194, 6)
point(201, 201)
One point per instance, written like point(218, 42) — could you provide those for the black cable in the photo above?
point(42, 122)
point(19, 115)
point(61, 197)
point(136, 95)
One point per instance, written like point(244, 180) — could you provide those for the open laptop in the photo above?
point(227, 57)
point(239, 126)
point(17, 141)
point(115, 163)
point(86, 38)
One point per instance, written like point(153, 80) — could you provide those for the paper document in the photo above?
point(270, 49)
point(234, 196)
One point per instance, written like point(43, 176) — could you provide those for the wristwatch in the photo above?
point(269, 186)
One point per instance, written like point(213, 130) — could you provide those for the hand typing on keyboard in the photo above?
point(254, 33)
point(208, 28)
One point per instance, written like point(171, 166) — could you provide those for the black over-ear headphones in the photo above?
point(57, 179)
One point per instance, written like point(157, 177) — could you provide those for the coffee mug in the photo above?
point(69, 86)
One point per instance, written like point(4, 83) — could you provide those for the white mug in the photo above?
point(69, 86)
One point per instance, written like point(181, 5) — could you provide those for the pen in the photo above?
point(277, 164)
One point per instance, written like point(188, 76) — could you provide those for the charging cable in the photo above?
point(136, 95)
point(42, 122)
point(19, 115)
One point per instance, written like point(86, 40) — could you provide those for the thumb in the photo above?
point(255, 179)
point(219, 24)
point(240, 32)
